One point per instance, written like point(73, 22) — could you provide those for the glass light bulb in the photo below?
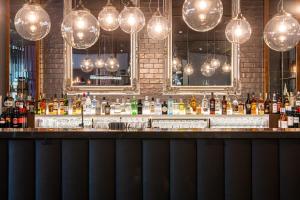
point(158, 27)
point(202, 15)
point(226, 68)
point(87, 65)
point(215, 63)
point(188, 70)
point(238, 30)
point(80, 29)
point(108, 18)
point(131, 19)
point(176, 64)
point(282, 32)
point(207, 70)
point(32, 22)
point(112, 64)
point(99, 63)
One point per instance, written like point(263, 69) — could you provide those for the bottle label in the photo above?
point(290, 121)
point(297, 103)
point(274, 108)
point(284, 124)
point(296, 120)
point(8, 104)
point(164, 109)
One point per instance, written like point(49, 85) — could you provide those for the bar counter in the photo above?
point(186, 164)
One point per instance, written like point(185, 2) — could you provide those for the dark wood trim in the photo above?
point(7, 44)
point(37, 65)
point(298, 67)
point(266, 51)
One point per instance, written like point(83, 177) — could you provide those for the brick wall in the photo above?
point(152, 54)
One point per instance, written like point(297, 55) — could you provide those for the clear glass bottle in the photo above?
point(212, 104)
point(229, 105)
point(103, 104)
point(117, 107)
point(158, 110)
point(205, 105)
point(181, 107)
point(170, 106)
point(128, 106)
point(261, 105)
point(274, 104)
point(218, 106)
point(146, 106)
point(88, 105)
point(152, 107)
point(235, 105)
point(94, 106)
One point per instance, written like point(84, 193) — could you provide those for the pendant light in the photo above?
point(112, 63)
point(158, 26)
point(188, 68)
point(202, 15)
point(80, 29)
point(99, 63)
point(226, 68)
point(108, 17)
point(32, 22)
point(131, 19)
point(215, 63)
point(238, 30)
point(282, 31)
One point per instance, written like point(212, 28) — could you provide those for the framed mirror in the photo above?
point(200, 49)
point(114, 46)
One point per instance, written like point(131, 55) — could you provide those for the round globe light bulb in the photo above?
point(131, 20)
point(238, 30)
point(80, 29)
point(215, 63)
point(207, 70)
point(87, 65)
point(158, 27)
point(202, 15)
point(108, 18)
point(176, 64)
point(282, 32)
point(112, 64)
point(188, 69)
point(226, 68)
point(32, 22)
point(99, 63)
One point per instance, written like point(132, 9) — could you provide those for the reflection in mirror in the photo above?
point(107, 63)
point(22, 58)
point(200, 58)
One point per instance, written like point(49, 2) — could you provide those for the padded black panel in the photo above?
point(3, 169)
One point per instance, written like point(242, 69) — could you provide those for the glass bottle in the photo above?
point(134, 110)
point(146, 106)
point(158, 108)
point(205, 105)
point(248, 105)
point(261, 105)
point(94, 106)
point(170, 106)
point(50, 106)
point(224, 106)
point(117, 107)
point(241, 108)
point(164, 108)
point(290, 117)
point(279, 103)
point(38, 110)
point(235, 105)
point(253, 105)
point(103, 104)
point(55, 105)
point(297, 101)
point(274, 104)
point(229, 105)
point(8, 102)
point(212, 104)
point(181, 107)
point(193, 104)
point(282, 122)
point(267, 105)
point(128, 106)
point(107, 109)
point(218, 106)
point(140, 107)
point(66, 105)
point(152, 106)
point(62, 105)
point(88, 104)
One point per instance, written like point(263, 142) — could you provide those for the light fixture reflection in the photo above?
point(207, 70)
point(112, 64)
point(188, 69)
point(226, 68)
point(87, 65)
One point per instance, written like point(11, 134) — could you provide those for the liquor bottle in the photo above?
point(224, 106)
point(279, 103)
point(128, 107)
point(193, 104)
point(152, 106)
point(297, 101)
point(55, 105)
point(267, 105)
point(140, 107)
point(50, 106)
point(274, 104)
point(253, 105)
point(107, 109)
point(22, 120)
point(290, 117)
point(134, 110)
point(175, 107)
point(38, 109)
point(146, 106)
point(30, 105)
point(248, 105)
point(261, 105)
point(181, 107)
point(235, 105)
point(61, 110)
point(164, 108)
point(87, 105)
point(43, 105)
point(66, 105)
point(158, 107)
point(170, 106)
point(296, 118)
point(188, 109)
point(205, 105)
point(103, 104)
point(8, 102)
point(2, 120)
point(282, 122)
point(229, 105)
point(212, 104)
point(117, 107)
point(241, 108)
point(14, 118)
point(286, 102)
point(292, 99)
point(218, 106)
point(123, 106)
point(19, 103)
point(8, 118)
point(94, 106)
point(83, 103)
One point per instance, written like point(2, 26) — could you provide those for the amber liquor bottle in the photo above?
point(212, 104)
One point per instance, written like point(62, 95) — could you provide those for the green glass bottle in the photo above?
point(134, 110)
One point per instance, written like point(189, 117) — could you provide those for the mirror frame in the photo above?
point(70, 89)
point(234, 87)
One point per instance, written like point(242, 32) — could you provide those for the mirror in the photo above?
point(213, 60)
point(111, 60)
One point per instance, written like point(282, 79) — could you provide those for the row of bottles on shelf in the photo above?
point(212, 105)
